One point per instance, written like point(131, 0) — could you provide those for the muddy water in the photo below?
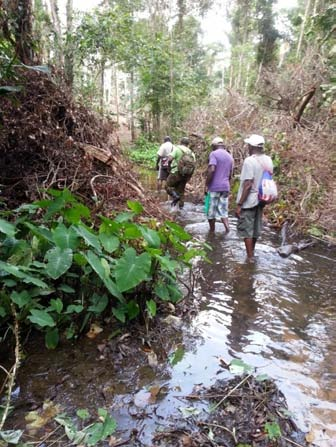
point(278, 315)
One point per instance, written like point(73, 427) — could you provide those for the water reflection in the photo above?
point(244, 309)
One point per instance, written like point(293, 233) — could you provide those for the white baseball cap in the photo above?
point(255, 140)
point(217, 140)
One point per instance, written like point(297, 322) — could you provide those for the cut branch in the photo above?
point(303, 104)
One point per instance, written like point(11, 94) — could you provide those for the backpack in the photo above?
point(267, 191)
point(164, 162)
point(186, 164)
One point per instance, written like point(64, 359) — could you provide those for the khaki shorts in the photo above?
point(249, 224)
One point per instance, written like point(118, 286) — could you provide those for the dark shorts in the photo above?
point(163, 173)
point(249, 224)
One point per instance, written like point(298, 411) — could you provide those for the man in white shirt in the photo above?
point(249, 210)
point(162, 162)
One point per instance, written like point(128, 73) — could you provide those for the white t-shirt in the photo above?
point(253, 168)
point(165, 149)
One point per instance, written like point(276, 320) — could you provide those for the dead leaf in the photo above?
point(310, 437)
point(186, 441)
point(223, 363)
point(114, 441)
point(94, 331)
point(152, 359)
point(38, 419)
point(154, 391)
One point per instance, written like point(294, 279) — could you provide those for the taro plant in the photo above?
point(61, 268)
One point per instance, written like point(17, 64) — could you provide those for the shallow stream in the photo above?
point(277, 315)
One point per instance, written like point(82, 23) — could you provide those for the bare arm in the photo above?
point(246, 191)
point(210, 173)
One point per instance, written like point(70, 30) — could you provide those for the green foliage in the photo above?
point(273, 430)
point(122, 267)
point(144, 152)
point(91, 434)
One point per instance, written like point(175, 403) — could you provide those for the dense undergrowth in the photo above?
point(61, 269)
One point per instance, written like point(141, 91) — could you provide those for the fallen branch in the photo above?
point(303, 104)
point(12, 375)
point(231, 391)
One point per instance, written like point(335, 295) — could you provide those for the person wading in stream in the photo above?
point(249, 210)
point(182, 165)
point(162, 162)
point(217, 184)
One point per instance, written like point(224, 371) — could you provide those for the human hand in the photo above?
point(238, 211)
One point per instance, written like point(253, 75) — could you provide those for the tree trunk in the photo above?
point(132, 106)
point(69, 52)
point(247, 79)
point(303, 25)
point(102, 85)
point(22, 11)
point(56, 23)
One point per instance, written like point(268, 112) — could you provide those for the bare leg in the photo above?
point(249, 245)
point(225, 221)
point(212, 223)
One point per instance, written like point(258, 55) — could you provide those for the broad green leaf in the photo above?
point(11, 436)
point(162, 291)
point(124, 217)
point(178, 231)
point(21, 273)
point(7, 228)
point(133, 309)
point(151, 237)
point(65, 288)
point(131, 270)
point(237, 366)
point(56, 305)
point(120, 313)
point(136, 207)
point(168, 264)
point(59, 261)
point(21, 299)
point(177, 356)
point(151, 307)
point(273, 430)
point(83, 413)
point(109, 242)
point(52, 338)
point(5, 89)
point(9, 282)
point(175, 293)
point(189, 411)
point(76, 212)
point(40, 232)
point(74, 308)
point(99, 303)
point(3, 312)
point(80, 259)
point(98, 267)
point(90, 238)
point(132, 231)
point(41, 317)
point(65, 237)
point(109, 226)
point(262, 377)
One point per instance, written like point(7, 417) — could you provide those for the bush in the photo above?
point(60, 271)
point(144, 152)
